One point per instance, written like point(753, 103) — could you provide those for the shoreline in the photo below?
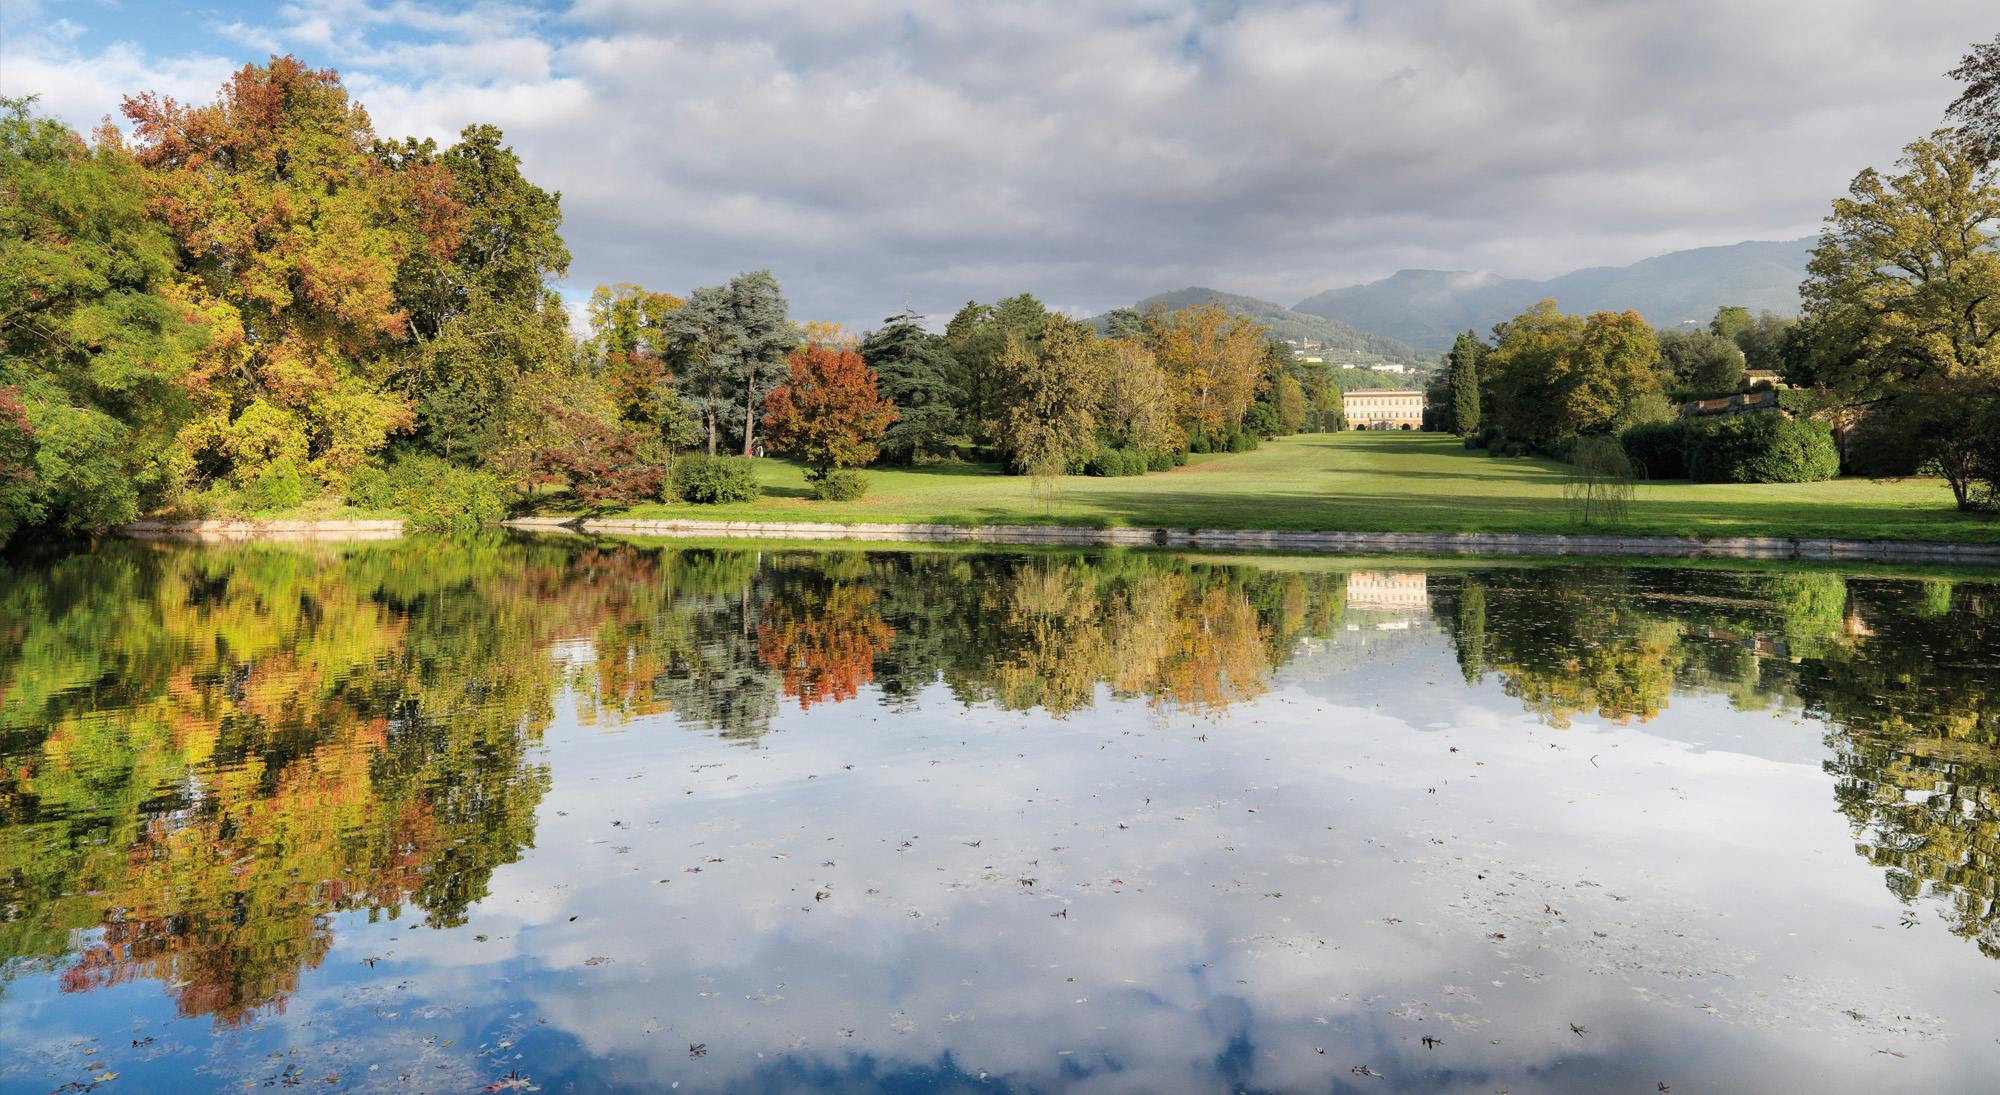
point(235, 530)
point(1369, 543)
point(1810, 549)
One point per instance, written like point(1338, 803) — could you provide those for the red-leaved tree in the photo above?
point(605, 463)
point(828, 412)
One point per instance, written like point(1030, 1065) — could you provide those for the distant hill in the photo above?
point(1339, 341)
point(1427, 308)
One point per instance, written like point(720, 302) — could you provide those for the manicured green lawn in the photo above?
point(1372, 482)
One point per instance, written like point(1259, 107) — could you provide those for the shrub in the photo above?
point(1180, 458)
point(1127, 462)
point(715, 480)
point(455, 499)
point(839, 485)
point(280, 485)
point(1764, 448)
point(1262, 420)
point(1658, 449)
point(1108, 461)
point(1161, 461)
point(433, 494)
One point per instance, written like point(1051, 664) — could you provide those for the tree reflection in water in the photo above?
point(210, 752)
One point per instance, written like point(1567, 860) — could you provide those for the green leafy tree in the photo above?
point(979, 337)
point(1124, 323)
point(1730, 321)
point(1052, 395)
point(485, 314)
point(1763, 343)
point(1291, 404)
point(1701, 361)
point(1556, 376)
point(94, 347)
point(1902, 306)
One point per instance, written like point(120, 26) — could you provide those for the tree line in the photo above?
point(259, 302)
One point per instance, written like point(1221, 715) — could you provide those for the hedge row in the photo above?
point(1108, 461)
point(1760, 448)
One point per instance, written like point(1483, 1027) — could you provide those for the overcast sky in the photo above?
point(881, 155)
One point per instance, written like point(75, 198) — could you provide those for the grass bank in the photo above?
point(1361, 482)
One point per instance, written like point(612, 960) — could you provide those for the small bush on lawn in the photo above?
point(1658, 448)
point(1763, 448)
point(715, 480)
point(839, 485)
point(1161, 461)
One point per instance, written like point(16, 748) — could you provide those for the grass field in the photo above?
point(1365, 482)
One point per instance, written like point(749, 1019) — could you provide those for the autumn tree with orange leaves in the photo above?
point(291, 233)
point(829, 413)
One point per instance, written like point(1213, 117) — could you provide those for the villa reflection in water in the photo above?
point(920, 802)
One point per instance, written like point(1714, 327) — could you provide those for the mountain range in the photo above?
point(1427, 308)
point(1412, 316)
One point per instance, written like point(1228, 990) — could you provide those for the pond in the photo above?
point(562, 814)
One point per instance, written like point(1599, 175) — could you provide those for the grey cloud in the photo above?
point(877, 155)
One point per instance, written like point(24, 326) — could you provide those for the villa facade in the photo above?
point(1383, 408)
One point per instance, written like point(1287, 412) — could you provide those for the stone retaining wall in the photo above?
point(211, 531)
point(1359, 543)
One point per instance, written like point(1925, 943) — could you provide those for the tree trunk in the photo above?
point(749, 415)
point(709, 418)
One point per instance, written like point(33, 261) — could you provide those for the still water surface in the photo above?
point(564, 815)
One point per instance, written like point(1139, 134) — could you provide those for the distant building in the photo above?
point(1392, 368)
point(1313, 359)
point(1383, 408)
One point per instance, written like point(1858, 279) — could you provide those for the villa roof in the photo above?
point(1383, 391)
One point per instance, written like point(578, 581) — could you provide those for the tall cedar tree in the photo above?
point(1978, 106)
point(914, 367)
point(728, 348)
point(828, 413)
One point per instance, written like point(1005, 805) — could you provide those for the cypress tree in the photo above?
point(1465, 355)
